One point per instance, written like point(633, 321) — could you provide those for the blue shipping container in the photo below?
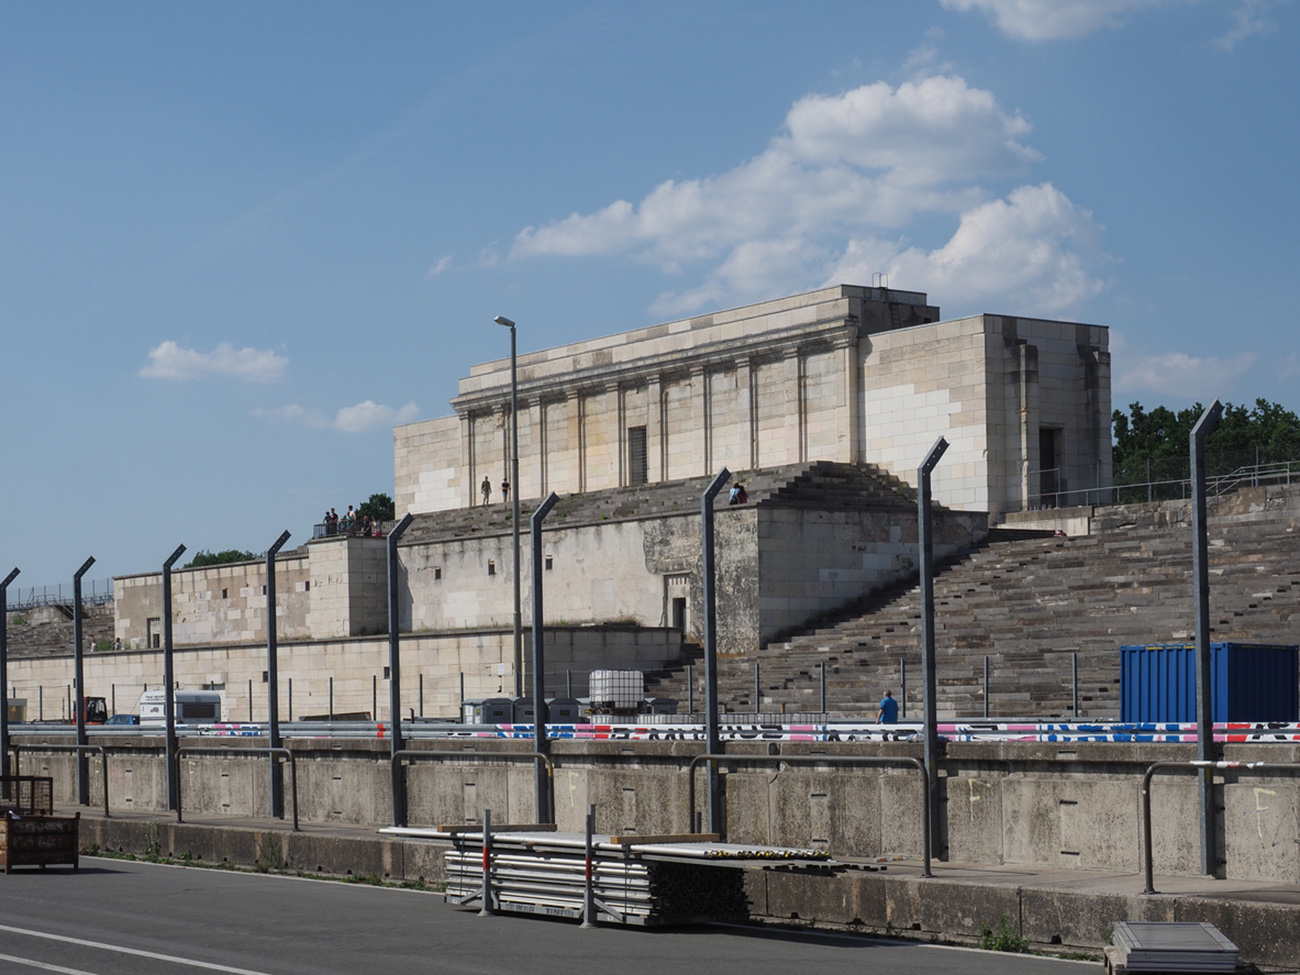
point(1248, 682)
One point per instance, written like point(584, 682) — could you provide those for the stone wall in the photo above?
point(814, 562)
point(358, 667)
point(846, 374)
point(760, 386)
point(989, 384)
point(1075, 806)
point(216, 604)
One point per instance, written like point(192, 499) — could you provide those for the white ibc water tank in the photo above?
point(617, 690)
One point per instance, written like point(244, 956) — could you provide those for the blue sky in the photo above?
point(239, 241)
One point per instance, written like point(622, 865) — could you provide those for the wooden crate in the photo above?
point(39, 841)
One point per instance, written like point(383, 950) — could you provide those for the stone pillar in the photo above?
point(578, 432)
point(799, 415)
point(748, 405)
point(539, 424)
point(656, 443)
point(505, 447)
point(704, 412)
point(620, 400)
point(467, 461)
point(850, 372)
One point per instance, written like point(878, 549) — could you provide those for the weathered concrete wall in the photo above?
point(217, 604)
point(358, 667)
point(813, 562)
point(1006, 803)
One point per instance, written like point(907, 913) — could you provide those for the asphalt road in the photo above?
point(121, 918)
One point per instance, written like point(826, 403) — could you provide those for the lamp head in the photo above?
point(502, 320)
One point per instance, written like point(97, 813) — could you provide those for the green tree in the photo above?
point(1156, 445)
point(205, 558)
point(380, 506)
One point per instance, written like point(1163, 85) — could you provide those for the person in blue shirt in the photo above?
point(888, 713)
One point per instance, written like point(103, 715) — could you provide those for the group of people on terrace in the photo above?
point(352, 524)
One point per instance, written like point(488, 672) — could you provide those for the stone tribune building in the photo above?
point(824, 404)
point(849, 374)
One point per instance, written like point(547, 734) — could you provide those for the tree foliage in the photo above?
point(1156, 445)
point(380, 507)
point(206, 558)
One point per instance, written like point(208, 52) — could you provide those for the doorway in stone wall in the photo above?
point(677, 588)
point(1049, 466)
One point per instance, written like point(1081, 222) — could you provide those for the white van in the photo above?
point(191, 707)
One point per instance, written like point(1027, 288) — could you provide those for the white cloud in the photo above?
point(1249, 20)
point(440, 265)
point(1046, 20)
point(361, 418)
point(823, 201)
point(170, 361)
point(373, 416)
point(1035, 248)
point(1136, 372)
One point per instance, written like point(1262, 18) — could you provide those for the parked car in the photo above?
point(123, 719)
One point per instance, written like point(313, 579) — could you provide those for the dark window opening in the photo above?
point(637, 466)
point(385, 673)
point(225, 594)
point(492, 568)
point(549, 563)
point(679, 613)
point(437, 572)
point(266, 677)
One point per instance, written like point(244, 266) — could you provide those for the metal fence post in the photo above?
point(541, 781)
point(4, 672)
point(931, 704)
point(169, 682)
point(395, 666)
point(272, 666)
point(1074, 681)
point(713, 741)
point(79, 682)
point(1201, 587)
point(986, 685)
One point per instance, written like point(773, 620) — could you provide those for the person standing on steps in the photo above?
point(505, 490)
point(888, 713)
point(486, 488)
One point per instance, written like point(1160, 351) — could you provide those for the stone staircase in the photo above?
point(48, 630)
point(1028, 602)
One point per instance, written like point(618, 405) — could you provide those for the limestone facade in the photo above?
point(848, 373)
point(337, 588)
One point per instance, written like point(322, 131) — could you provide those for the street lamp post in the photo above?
point(514, 499)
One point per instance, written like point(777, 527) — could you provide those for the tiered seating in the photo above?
point(1028, 604)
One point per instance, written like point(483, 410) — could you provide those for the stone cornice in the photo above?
point(830, 334)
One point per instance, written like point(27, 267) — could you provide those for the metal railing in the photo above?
point(1147, 853)
point(101, 591)
point(868, 760)
point(17, 750)
point(1177, 488)
point(355, 530)
point(405, 756)
point(226, 751)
